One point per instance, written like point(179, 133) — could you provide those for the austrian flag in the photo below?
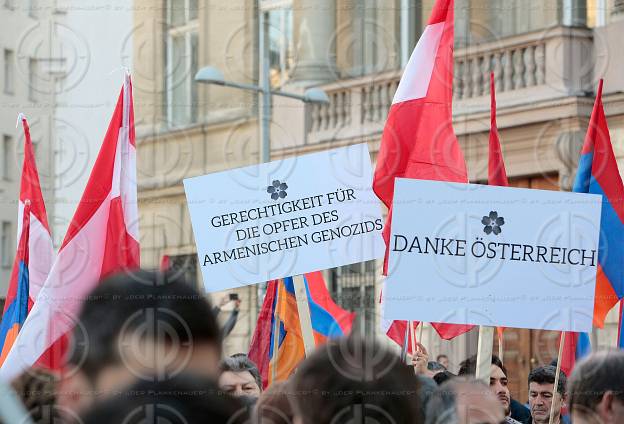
point(102, 238)
point(418, 140)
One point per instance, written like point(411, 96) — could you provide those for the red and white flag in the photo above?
point(102, 238)
point(418, 140)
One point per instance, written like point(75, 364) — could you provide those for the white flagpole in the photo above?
point(305, 320)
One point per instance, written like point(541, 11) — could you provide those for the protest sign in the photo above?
point(495, 256)
point(284, 218)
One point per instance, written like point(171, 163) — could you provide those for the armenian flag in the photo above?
point(598, 174)
point(280, 308)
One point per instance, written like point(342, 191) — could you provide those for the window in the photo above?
point(353, 288)
point(597, 13)
point(32, 79)
point(278, 16)
point(33, 8)
point(182, 60)
point(409, 29)
point(7, 153)
point(7, 251)
point(9, 70)
point(186, 265)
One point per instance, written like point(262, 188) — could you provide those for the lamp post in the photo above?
point(212, 75)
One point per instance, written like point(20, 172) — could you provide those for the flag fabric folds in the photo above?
point(598, 174)
point(418, 140)
point(328, 321)
point(576, 346)
point(102, 238)
point(35, 251)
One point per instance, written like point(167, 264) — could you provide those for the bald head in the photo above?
point(464, 401)
point(596, 389)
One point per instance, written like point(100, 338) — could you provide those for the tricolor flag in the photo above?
point(102, 238)
point(418, 140)
point(35, 251)
point(328, 321)
point(598, 174)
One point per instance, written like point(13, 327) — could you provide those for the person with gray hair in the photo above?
point(464, 401)
point(541, 384)
point(596, 389)
point(240, 376)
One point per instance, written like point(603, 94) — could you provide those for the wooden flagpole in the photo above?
point(412, 338)
point(420, 331)
point(484, 354)
point(303, 307)
point(559, 357)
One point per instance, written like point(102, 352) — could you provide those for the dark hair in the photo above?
point(595, 375)
point(350, 374)
point(440, 357)
point(443, 377)
point(546, 375)
point(124, 302)
point(469, 365)
point(240, 362)
point(183, 398)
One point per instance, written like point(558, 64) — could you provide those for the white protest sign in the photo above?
point(495, 256)
point(285, 218)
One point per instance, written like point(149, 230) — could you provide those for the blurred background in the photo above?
point(61, 65)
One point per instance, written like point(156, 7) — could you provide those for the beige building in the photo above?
point(547, 56)
point(27, 86)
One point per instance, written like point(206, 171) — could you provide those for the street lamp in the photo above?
point(212, 75)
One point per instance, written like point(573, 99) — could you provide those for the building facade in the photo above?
point(26, 85)
point(547, 56)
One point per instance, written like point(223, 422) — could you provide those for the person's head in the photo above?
point(498, 379)
point(596, 389)
point(463, 401)
point(273, 405)
point(541, 385)
point(240, 376)
point(350, 377)
point(181, 399)
point(147, 325)
point(443, 360)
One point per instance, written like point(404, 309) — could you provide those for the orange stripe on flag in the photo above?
point(606, 298)
point(11, 335)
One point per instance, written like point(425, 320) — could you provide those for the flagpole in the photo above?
point(484, 353)
point(559, 357)
point(412, 339)
point(303, 307)
point(405, 346)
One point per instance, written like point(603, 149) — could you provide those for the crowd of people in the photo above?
point(148, 349)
